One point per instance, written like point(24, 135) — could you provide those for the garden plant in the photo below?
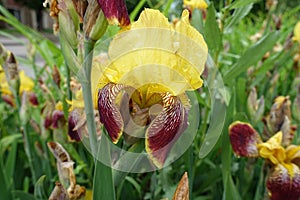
point(149, 99)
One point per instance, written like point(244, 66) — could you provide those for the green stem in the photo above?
point(87, 94)
point(69, 92)
point(28, 151)
point(24, 130)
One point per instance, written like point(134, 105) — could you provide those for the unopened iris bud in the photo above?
point(296, 106)
point(24, 111)
point(68, 22)
point(11, 72)
point(255, 106)
point(115, 12)
point(95, 23)
point(56, 76)
point(80, 6)
point(3, 54)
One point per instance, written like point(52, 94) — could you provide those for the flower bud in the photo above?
point(11, 72)
point(24, 111)
point(56, 76)
point(255, 107)
point(80, 6)
point(296, 106)
point(95, 23)
point(68, 22)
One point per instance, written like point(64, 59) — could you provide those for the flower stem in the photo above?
point(24, 131)
point(87, 94)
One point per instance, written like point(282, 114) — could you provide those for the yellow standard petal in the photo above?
point(154, 52)
point(297, 32)
point(272, 149)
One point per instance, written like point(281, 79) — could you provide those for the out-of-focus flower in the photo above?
point(279, 119)
point(58, 115)
point(284, 179)
point(174, 55)
point(297, 32)
point(99, 62)
point(195, 4)
point(26, 85)
point(115, 12)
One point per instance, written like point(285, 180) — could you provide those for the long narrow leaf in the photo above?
point(103, 186)
point(252, 55)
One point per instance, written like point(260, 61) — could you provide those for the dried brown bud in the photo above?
point(56, 76)
point(182, 190)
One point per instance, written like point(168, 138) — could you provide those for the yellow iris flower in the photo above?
point(26, 83)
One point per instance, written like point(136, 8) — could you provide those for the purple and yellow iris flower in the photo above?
point(283, 181)
point(141, 86)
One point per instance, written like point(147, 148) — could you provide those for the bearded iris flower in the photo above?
point(142, 88)
point(284, 179)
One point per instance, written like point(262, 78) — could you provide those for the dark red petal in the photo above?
point(48, 121)
point(243, 139)
point(73, 120)
point(109, 113)
point(115, 11)
point(57, 115)
point(33, 99)
point(282, 185)
point(165, 129)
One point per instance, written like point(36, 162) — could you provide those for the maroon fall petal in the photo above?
point(48, 121)
point(244, 139)
point(115, 11)
point(57, 115)
point(73, 133)
point(165, 129)
point(33, 99)
point(282, 185)
point(109, 113)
